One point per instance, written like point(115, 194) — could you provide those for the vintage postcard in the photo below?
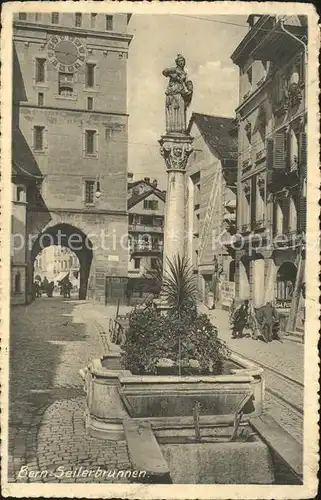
point(159, 250)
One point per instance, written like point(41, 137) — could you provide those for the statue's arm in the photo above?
point(169, 71)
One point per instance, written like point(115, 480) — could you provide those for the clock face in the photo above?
point(66, 53)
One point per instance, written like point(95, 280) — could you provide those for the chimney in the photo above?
point(147, 179)
point(130, 176)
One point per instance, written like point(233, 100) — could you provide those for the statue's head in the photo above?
point(180, 61)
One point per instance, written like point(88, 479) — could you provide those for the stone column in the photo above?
point(175, 149)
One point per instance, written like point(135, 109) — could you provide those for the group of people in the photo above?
point(43, 287)
point(40, 287)
point(262, 322)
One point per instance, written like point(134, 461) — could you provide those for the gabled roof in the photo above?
point(136, 198)
point(216, 132)
point(23, 161)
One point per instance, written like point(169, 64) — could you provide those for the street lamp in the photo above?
point(98, 192)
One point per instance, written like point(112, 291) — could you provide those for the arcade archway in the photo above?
point(285, 280)
point(65, 235)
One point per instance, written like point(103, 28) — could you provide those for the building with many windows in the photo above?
point(55, 262)
point(146, 209)
point(272, 161)
point(211, 205)
point(70, 130)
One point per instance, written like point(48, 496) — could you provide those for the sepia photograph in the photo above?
point(159, 249)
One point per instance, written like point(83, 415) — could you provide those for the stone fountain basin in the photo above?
point(114, 394)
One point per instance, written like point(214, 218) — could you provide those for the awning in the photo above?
point(61, 276)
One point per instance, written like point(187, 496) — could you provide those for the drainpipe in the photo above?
point(298, 40)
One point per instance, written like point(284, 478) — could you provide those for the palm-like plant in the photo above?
point(179, 285)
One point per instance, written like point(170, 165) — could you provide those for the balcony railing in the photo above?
point(146, 247)
point(260, 155)
point(146, 228)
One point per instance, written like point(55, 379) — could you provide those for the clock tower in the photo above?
point(70, 136)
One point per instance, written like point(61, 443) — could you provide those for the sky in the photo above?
point(207, 47)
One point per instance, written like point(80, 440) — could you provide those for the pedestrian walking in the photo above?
point(50, 288)
point(268, 321)
point(68, 288)
point(240, 320)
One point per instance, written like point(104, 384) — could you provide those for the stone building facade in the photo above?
point(18, 263)
point(272, 159)
point(70, 131)
point(211, 203)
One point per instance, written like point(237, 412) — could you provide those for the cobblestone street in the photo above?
point(51, 340)
point(284, 357)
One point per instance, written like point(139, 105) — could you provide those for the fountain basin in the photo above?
point(114, 394)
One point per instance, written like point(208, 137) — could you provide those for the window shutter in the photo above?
point(303, 176)
point(269, 159)
point(279, 152)
point(303, 154)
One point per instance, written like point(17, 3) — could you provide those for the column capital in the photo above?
point(176, 150)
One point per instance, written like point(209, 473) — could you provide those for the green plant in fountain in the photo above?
point(185, 337)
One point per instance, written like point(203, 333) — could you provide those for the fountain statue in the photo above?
point(175, 148)
point(179, 94)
